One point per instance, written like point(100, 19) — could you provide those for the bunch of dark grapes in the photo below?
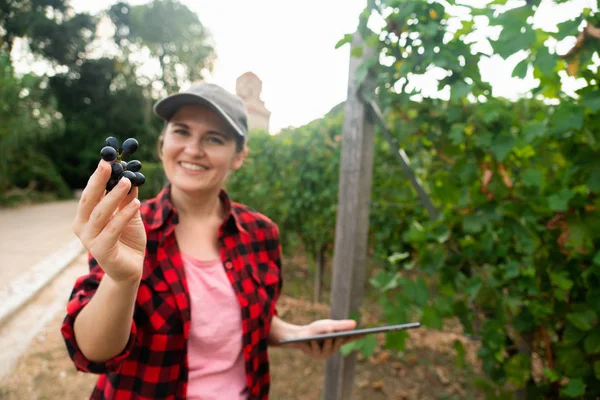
point(113, 153)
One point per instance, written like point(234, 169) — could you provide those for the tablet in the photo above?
point(350, 333)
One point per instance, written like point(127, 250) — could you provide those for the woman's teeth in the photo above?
point(192, 167)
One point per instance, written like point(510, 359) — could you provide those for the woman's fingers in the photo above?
point(112, 231)
point(105, 210)
point(91, 195)
point(327, 348)
point(132, 195)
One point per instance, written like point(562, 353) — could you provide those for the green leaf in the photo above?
point(502, 145)
point(560, 200)
point(431, 318)
point(591, 344)
point(346, 39)
point(551, 374)
point(397, 257)
point(533, 178)
point(568, 28)
point(372, 40)
point(456, 134)
point(545, 61)
point(417, 292)
point(594, 179)
point(386, 280)
point(583, 320)
point(597, 370)
point(561, 280)
point(575, 388)
point(567, 117)
point(533, 130)
point(365, 345)
point(591, 100)
point(512, 270)
point(483, 140)
point(520, 70)
point(460, 90)
point(461, 354)
point(356, 52)
point(512, 40)
point(368, 345)
point(596, 259)
point(572, 335)
point(518, 370)
point(396, 340)
point(472, 223)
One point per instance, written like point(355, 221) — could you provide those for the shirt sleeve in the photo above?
point(82, 293)
point(275, 255)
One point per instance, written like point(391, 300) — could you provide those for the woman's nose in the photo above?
point(194, 147)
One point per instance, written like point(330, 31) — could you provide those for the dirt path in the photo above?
point(17, 333)
point(426, 370)
point(30, 233)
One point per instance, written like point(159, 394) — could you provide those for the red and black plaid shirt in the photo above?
point(154, 364)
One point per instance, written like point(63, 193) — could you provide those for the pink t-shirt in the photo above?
point(215, 358)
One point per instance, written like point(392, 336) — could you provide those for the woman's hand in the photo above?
point(110, 226)
point(323, 349)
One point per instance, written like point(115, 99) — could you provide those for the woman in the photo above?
point(180, 298)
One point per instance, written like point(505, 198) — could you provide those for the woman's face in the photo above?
point(199, 149)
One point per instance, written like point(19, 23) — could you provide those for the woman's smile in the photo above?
point(192, 168)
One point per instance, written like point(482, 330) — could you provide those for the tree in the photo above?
point(101, 100)
point(29, 117)
point(50, 27)
point(171, 33)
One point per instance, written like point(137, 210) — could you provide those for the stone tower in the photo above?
point(249, 87)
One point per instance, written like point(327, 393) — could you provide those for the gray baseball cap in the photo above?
point(229, 106)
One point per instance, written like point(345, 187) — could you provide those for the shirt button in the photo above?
point(228, 265)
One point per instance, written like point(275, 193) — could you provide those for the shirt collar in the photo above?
point(164, 211)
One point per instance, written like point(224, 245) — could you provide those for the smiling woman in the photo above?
point(180, 299)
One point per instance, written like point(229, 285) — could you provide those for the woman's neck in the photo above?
point(198, 206)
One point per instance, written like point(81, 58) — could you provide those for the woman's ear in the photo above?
point(239, 158)
point(159, 146)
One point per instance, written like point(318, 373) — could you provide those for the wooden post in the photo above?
point(352, 226)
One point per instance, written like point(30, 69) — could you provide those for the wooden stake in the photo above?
point(352, 226)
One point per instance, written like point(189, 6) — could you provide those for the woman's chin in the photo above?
point(191, 186)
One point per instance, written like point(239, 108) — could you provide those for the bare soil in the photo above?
point(427, 369)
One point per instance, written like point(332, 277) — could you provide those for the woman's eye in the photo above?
point(181, 132)
point(215, 139)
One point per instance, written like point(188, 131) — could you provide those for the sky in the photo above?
point(291, 47)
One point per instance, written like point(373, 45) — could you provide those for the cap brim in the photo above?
point(167, 107)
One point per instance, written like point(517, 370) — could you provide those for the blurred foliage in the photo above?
point(155, 180)
point(66, 114)
point(182, 48)
point(515, 254)
point(29, 118)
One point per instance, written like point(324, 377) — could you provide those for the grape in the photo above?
point(111, 184)
point(134, 166)
point(108, 153)
point(140, 179)
point(117, 169)
point(112, 142)
point(129, 175)
point(130, 146)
